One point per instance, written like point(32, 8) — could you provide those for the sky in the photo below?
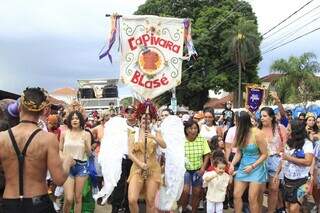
point(52, 44)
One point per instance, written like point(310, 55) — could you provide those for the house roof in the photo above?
point(271, 77)
point(65, 91)
point(8, 95)
point(218, 103)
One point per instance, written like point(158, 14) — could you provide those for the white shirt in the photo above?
point(208, 131)
point(217, 186)
point(231, 134)
point(293, 171)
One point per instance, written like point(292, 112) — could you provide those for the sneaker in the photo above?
point(201, 206)
point(56, 206)
point(189, 207)
point(225, 205)
point(231, 204)
point(314, 209)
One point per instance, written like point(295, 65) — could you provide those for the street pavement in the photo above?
point(307, 208)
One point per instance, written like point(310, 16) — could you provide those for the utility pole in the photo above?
point(174, 101)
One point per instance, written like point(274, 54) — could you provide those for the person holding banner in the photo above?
point(145, 174)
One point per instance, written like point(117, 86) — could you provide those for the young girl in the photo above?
point(217, 182)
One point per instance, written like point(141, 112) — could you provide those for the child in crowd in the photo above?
point(217, 181)
point(216, 143)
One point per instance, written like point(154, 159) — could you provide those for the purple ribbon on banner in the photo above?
point(254, 98)
point(114, 29)
point(187, 36)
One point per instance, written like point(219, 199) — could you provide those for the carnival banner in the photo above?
point(254, 97)
point(152, 49)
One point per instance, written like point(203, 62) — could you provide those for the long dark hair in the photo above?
point(243, 129)
point(298, 135)
point(214, 143)
point(271, 114)
point(210, 110)
point(315, 126)
point(79, 115)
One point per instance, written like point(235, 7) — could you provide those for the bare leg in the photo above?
point(262, 189)
point(254, 193)
point(196, 191)
point(79, 183)
point(316, 192)
point(134, 190)
point(184, 198)
point(151, 190)
point(294, 208)
point(239, 188)
point(273, 190)
point(68, 188)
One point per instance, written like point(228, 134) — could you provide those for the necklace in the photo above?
point(29, 122)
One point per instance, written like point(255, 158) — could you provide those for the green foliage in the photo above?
point(126, 101)
point(298, 83)
point(211, 22)
point(242, 41)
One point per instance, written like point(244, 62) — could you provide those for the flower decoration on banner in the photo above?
point(254, 97)
point(151, 51)
point(142, 109)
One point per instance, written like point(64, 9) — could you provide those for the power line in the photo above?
point(270, 50)
point(291, 22)
point(230, 65)
point(233, 11)
point(292, 14)
point(290, 34)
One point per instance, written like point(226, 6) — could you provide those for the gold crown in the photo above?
point(310, 114)
point(32, 106)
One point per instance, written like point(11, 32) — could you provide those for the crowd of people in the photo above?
point(232, 160)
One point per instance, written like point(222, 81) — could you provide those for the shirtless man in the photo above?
point(26, 187)
point(99, 130)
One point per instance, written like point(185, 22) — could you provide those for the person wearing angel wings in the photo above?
point(145, 174)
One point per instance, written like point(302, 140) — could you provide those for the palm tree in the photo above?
point(243, 42)
point(298, 82)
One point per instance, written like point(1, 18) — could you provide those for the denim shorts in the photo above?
point(273, 162)
point(191, 177)
point(80, 169)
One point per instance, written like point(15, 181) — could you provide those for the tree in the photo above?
point(298, 84)
point(242, 42)
point(214, 68)
point(126, 102)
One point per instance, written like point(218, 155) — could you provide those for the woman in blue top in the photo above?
point(252, 153)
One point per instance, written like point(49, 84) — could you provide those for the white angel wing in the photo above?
point(172, 130)
point(113, 147)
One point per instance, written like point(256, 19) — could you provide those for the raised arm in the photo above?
point(277, 101)
point(159, 139)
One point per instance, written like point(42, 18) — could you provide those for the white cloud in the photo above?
point(65, 36)
point(73, 18)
